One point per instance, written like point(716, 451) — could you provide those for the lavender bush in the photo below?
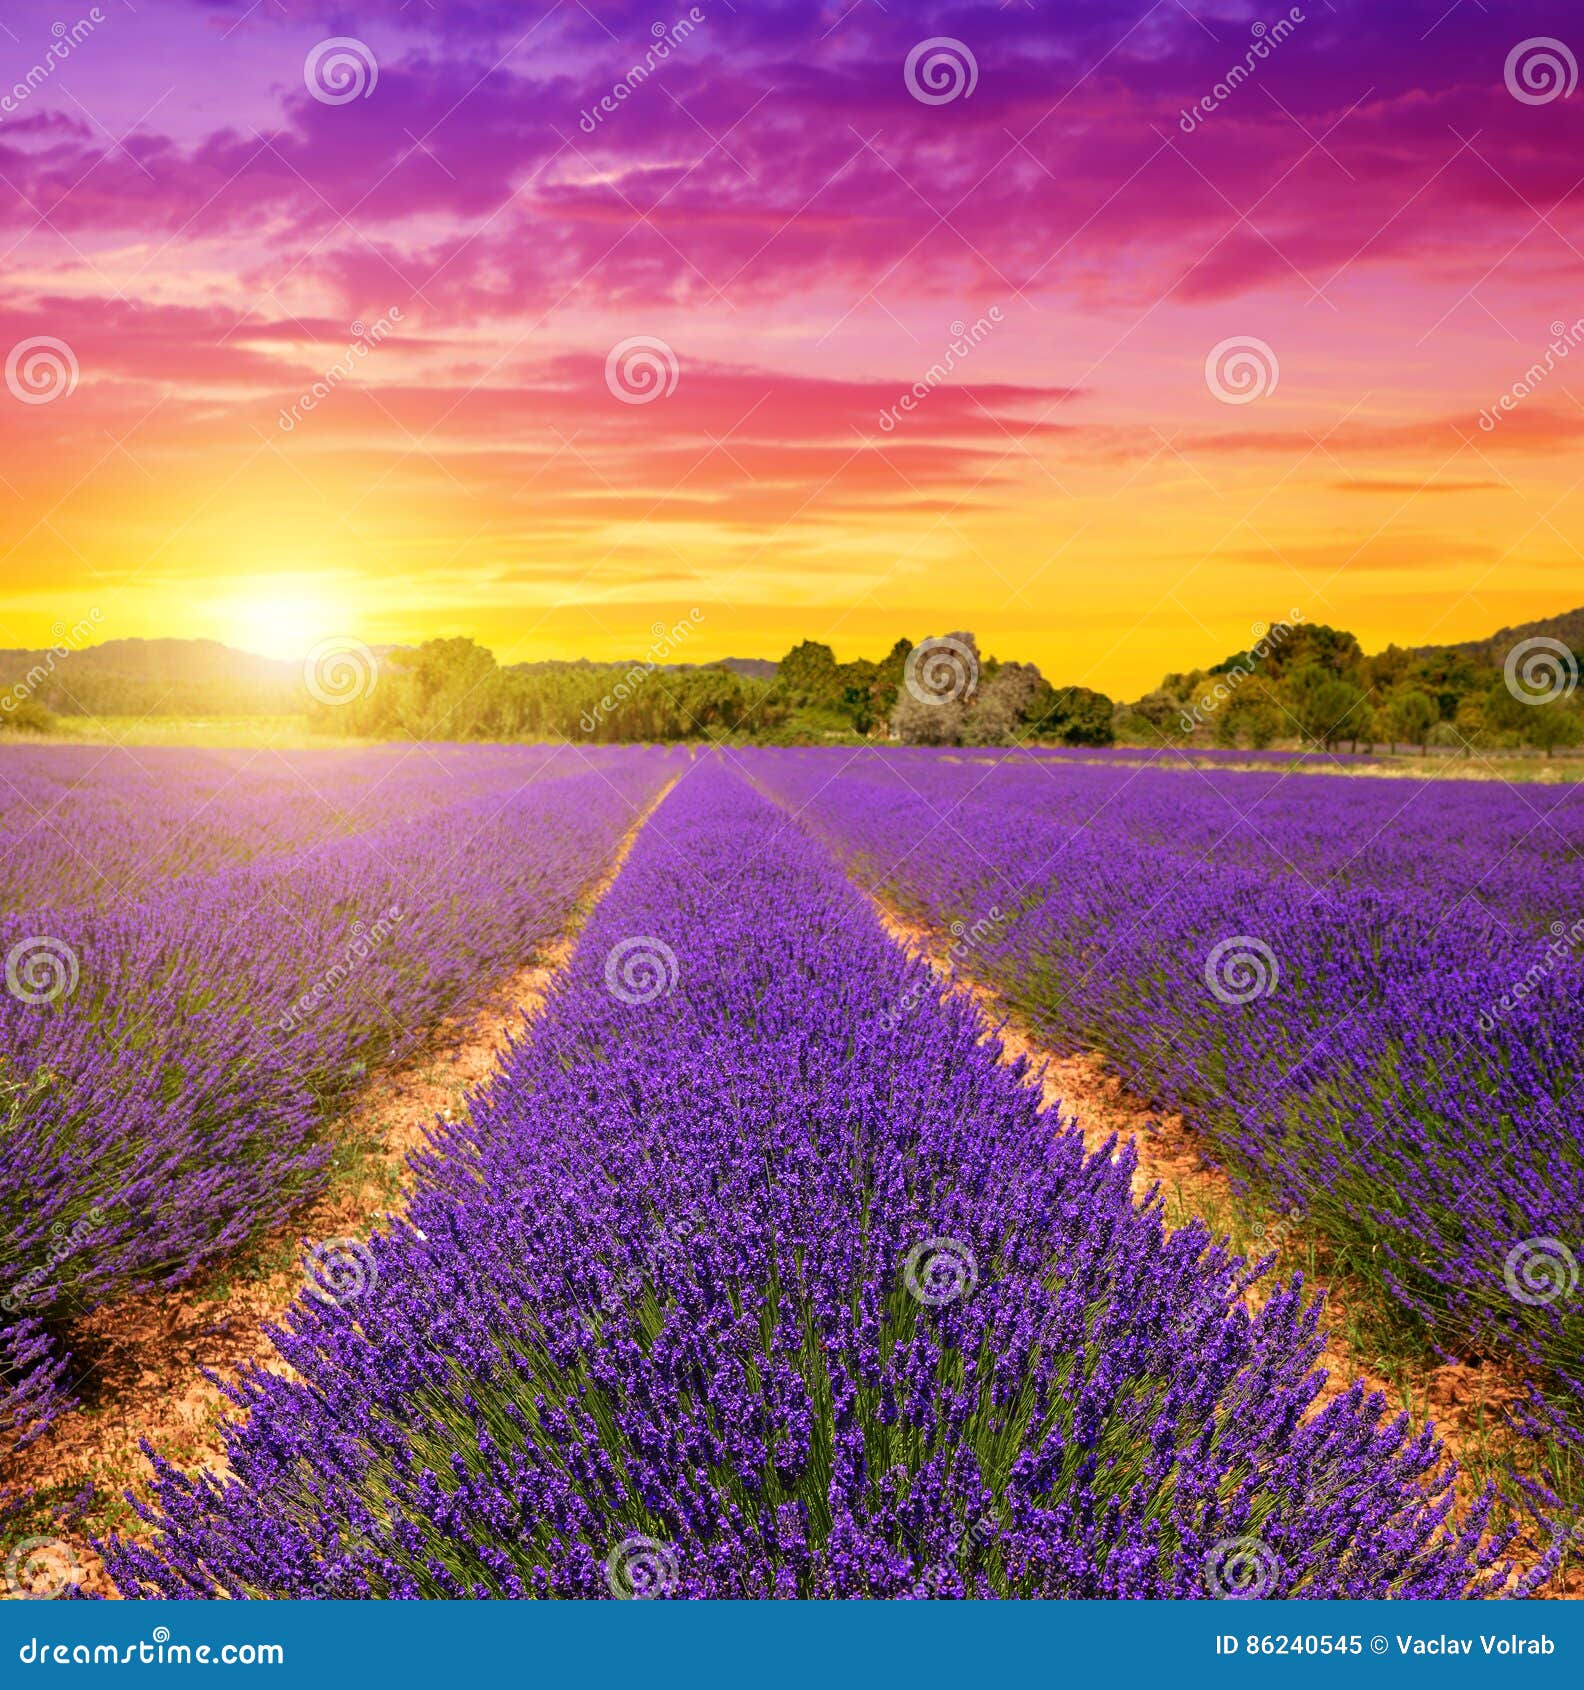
point(168, 1060)
point(1371, 999)
point(730, 1286)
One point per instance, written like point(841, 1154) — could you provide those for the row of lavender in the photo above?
point(729, 1286)
point(1372, 997)
point(170, 1049)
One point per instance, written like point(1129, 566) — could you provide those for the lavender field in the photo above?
point(758, 1267)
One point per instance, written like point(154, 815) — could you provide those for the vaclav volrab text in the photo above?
point(1443, 1645)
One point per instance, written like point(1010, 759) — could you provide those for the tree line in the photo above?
point(455, 689)
point(1310, 684)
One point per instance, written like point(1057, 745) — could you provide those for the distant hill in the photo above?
point(1568, 628)
point(753, 668)
point(154, 678)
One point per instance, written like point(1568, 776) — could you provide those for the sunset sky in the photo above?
point(204, 209)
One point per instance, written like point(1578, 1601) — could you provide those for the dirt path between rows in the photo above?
point(147, 1354)
point(1466, 1400)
